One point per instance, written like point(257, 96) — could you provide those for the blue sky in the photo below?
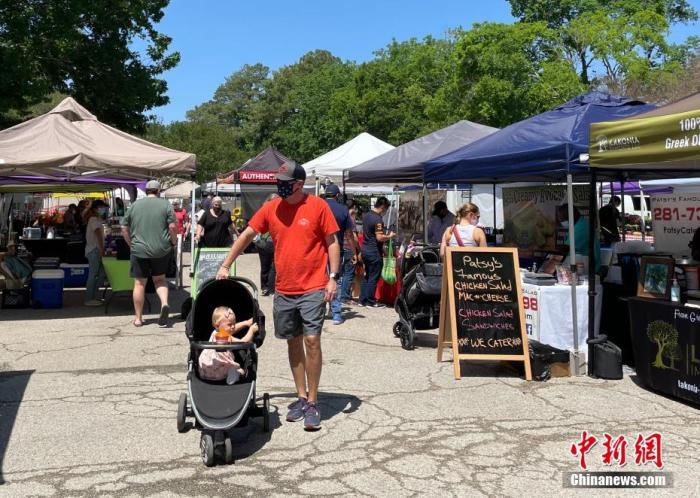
point(217, 37)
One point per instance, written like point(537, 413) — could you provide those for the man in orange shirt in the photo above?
point(303, 228)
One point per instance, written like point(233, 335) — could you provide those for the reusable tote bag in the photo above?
point(389, 269)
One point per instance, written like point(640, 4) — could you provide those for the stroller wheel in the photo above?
point(182, 413)
point(266, 413)
point(206, 445)
point(228, 451)
point(397, 329)
point(407, 335)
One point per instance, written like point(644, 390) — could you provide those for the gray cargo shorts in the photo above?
point(295, 315)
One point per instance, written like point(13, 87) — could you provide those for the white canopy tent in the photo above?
point(353, 153)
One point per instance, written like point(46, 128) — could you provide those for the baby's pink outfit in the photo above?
point(218, 365)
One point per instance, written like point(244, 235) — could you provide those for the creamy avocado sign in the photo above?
point(647, 142)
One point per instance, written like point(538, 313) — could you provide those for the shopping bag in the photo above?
point(389, 268)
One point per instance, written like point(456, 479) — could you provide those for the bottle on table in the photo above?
point(675, 292)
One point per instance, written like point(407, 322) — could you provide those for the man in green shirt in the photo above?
point(150, 230)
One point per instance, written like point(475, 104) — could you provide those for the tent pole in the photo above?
point(572, 258)
point(425, 213)
point(622, 212)
point(193, 225)
point(494, 209)
point(592, 292)
point(644, 212)
point(345, 196)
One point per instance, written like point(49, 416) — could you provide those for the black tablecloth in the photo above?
point(52, 248)
point(666, 341)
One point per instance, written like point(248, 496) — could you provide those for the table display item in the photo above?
point(565, 276)
point(47, 288)
point(655, 277)
point(31, 233)
point(539, 278)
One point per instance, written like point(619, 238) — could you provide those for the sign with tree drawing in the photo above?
point(666, 342)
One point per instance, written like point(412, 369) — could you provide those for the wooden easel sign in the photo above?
point(481, 312)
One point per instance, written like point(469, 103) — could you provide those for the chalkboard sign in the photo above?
point(481, 306)
point(208, 260)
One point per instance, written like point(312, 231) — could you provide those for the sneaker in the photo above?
point(312, 417)
point(377, 304)
point(94, 302)
point(164, 315)
point(337, 319)
point(297, 410)
point(265, 292)
point(361, 304)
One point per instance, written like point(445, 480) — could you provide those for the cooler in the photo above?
point(47, 288)
point(75, 274)
point(46, 263)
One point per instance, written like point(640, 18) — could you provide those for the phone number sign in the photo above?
point(675, 217)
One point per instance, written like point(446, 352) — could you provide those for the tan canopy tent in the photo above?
point(69, 142)
point(180, 191)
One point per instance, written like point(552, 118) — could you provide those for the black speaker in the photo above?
point(607, 359)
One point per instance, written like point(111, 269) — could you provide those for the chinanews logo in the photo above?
point(619, 143)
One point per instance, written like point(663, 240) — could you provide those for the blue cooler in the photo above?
point(75, 275)
point(46, 263)
point(47, 288)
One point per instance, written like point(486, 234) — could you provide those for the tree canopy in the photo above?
point(84, 49)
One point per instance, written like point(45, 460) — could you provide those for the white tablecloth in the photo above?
point(551, 322)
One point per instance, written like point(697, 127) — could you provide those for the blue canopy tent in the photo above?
point(543, 148)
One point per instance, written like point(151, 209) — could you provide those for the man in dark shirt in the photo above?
point(342, 218)
point(372, 248)
point(609, 217)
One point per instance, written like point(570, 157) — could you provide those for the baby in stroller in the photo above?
point(219, 365)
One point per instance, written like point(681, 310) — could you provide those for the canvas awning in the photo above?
point(69, 142)
point(349, 155)
point(259, 170)
point(181, 191)
point(404, 164)
point(545, 147)
point(666, 138)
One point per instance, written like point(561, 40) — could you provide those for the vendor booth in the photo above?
point(330, 166)
point(69, 150)
point(665, 336)
point(544, 148)
point(256, 179)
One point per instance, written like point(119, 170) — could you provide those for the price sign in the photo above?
point(675, 217)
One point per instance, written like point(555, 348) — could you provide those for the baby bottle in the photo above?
point(222, 336)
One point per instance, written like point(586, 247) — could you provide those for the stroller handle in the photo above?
point(227, 347)
point(248, 282)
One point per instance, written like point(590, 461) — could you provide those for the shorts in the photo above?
point(295, 315)
point(148, 267)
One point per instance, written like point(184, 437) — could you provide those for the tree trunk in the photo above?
point(659, 361)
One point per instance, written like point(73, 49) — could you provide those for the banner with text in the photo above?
point(675, 217)
point(530, 215)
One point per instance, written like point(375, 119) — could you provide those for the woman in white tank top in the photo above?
point(464, 233)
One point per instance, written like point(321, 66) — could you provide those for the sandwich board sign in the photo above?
point(481, 310)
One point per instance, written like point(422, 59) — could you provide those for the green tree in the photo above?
point(672, 354)
point(212, 143)
point(236, 104)
point(507, 72)
point(307, 110)
point(401, 94)
point(87, 50)
point(627, 38)
point(666, 338)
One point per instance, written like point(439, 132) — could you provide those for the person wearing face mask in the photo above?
point(581, 233)
point(465, 232)
point(373, 238)
point(94, 217)
point(306, 248)
point(215, 228)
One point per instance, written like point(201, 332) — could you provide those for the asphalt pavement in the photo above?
point(88, 406)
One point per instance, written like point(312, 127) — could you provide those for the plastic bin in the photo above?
point(47, 288)
point(546, 360)
point(75, 275)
